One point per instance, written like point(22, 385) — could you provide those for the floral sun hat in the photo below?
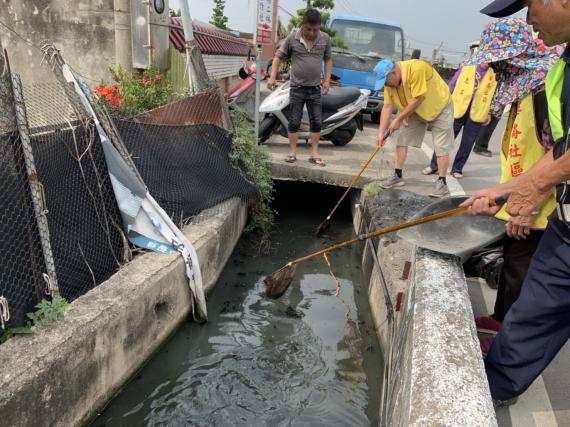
point(503, 39)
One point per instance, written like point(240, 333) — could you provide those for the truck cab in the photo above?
point(368, 41)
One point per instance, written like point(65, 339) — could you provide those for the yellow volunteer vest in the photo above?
point(554, 82)
point(520, 151)
point(437, 96)
point(463, 93)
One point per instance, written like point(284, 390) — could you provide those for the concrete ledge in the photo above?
point(441, 378)
point(282, 171)
point(62, 375)
point(436, 372)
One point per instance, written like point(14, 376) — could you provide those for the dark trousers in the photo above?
point(482, 141)
point(299, 96)
point(516, 255)
point(470, 133)
point(537, 325)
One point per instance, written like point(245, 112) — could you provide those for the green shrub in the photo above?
point(47, 312)
point(247, 153)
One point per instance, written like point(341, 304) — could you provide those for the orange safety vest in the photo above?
point(520, 151)
point(463, 93)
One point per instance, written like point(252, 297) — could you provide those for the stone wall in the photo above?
point(84, 30)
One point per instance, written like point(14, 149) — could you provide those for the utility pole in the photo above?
point(435, 52)
point(308, 4)
point(123, 40)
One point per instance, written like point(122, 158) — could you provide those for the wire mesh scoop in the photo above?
point(457, 235)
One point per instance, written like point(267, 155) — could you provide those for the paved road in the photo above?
point(547, 403)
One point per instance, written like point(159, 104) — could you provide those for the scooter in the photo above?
point(341, 118)
point(244, 92)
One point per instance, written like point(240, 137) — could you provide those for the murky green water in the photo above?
point(309, 358)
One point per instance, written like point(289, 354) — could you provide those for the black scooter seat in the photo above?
point(339, 97)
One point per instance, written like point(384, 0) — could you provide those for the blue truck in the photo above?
point(368, 41)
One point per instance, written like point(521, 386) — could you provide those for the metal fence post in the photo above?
point(36, 187)
point(7, 113)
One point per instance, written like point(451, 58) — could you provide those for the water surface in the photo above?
point(308, 359)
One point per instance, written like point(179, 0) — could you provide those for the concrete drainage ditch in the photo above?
point(434, 372)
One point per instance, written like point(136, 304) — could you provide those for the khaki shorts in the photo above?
point(441, 129)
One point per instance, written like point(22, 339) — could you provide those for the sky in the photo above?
point(426, 23)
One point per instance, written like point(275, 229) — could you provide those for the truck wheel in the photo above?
point(375, 116)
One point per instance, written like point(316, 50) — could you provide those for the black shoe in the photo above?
point(504, 403)
point(483, 152)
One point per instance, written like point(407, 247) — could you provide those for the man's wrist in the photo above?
point(543, 183)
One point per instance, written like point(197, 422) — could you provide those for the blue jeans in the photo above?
point(299, 96)
point(470, 132)
point(538, 323)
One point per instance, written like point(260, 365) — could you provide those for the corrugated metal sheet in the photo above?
point(220, 66)
point(210, 40)
point(177, 71)
point(203, 108)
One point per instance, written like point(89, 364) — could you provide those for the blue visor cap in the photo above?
point(381, 71)
point(503, 8)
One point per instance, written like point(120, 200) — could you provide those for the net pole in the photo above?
point(195, 67)
point(257, 71)
point(257, 89)
point(7, 112)
point(36, 187)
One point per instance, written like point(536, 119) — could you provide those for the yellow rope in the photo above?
point(337, 293)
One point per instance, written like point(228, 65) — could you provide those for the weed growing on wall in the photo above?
point(46, 312)
point(247, 153)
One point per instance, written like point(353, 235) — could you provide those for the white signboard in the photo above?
point(264, 22)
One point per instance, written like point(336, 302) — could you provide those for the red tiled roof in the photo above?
point(210, 40)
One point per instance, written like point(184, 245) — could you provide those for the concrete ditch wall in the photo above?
point(62, 375)
point(436, 374)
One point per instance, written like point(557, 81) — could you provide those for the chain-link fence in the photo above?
point(84, 220)
point(181, 151)
point(21, 266)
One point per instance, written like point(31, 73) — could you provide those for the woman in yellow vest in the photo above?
point(472, 88)
point(508, 47)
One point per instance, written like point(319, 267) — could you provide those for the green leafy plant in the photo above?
point(218, 18)
point(372, 190)
point(12, 332)
point(46, 312)
point(135, 91)
point(247, 153)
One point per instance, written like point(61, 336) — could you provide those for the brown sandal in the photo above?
point(290, 159)
point(317, 161)
point(428, 171)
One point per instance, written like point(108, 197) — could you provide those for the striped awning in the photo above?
point(210, 40)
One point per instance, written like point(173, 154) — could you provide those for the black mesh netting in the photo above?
point(84, 220)
point(21, 265)
point(186, 168)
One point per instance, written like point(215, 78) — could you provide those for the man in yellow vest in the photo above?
point(472, 89)
point(538, 324)
point(422, 98)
